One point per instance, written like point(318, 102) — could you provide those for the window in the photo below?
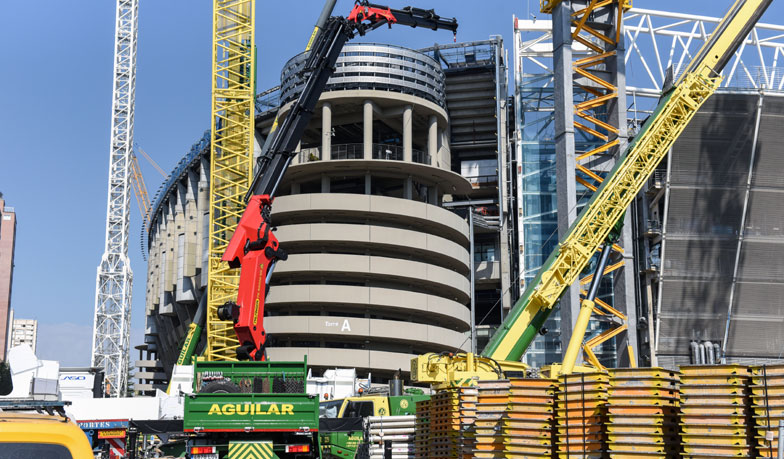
point(358, 410)
point(329, 409)
point(34, 451)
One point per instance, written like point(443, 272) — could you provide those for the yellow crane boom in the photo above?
point(602, 213)
point(231, 161)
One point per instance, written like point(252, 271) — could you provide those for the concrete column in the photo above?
point(625, 298)
point(564, 153)
point(432, 195)
point(326, 131)
point(408, 188)
point(367, 129)
point(432, 140)
point(295, 188)
point(368, 183)
point(407, 115)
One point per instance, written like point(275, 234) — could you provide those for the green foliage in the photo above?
point(6, 385)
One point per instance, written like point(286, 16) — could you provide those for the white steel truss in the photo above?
point(658, 40)
point(111, 327)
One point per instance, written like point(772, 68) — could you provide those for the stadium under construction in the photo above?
point(568, 243)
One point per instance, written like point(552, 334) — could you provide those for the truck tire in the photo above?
point(363, 451)
point(220, 387)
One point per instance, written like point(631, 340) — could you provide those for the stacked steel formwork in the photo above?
point(715, 417)
point(528, 424)
point(469, 397)
point(767, 402)
point(699, 412)
point(491, 406)
point(581, 415)
point(643, 413)
point(444, 438)
point(422, 425)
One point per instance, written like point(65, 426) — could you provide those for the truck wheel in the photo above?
point(221, 387)
point(363, 451)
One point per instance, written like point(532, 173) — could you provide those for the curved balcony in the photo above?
point(373, 66)
point(359, 299)
point(318, 207)
point(346, 151)
point(360, 268)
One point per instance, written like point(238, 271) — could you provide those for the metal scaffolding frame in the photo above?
point(111, 327)
point(231, 164)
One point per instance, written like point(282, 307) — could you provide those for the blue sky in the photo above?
point(55, 99)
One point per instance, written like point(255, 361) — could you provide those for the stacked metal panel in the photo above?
point(767, 398)
point(581, 413)
point(492, 402)
point(392, 433)
point(445, 425)
point(422, 435)
point(528, 426)
point(715, 419)
point(469, 397)
point(642, 409)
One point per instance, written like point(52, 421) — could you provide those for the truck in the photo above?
point(344, 432)
point(254, 407)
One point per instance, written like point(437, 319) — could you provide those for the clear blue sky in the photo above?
point(55, 99)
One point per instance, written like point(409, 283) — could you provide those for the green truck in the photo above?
point(343, 428)
point(251, 409)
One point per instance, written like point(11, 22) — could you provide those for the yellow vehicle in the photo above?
point(37, 436)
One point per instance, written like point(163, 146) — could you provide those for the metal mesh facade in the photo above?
point(723, 262)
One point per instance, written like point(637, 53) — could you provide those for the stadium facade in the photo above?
point(373, 213)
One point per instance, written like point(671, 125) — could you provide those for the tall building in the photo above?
point(7, 245)
point(25, 331)
point(373, 212)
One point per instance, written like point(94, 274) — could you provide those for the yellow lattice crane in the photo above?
point(231, 160)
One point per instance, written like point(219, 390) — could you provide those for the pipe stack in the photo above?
point(392, 434)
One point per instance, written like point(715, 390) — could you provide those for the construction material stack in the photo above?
point(445, 437)
point(767, 398)
point(528, 425)
point(422, 435)
point(642, 411)
point(715, 419)
point(469, 397)
point(492, 402)
point(581, 414)
point(391, 433)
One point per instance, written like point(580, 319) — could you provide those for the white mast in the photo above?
point(111, 328)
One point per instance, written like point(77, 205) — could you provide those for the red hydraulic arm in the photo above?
point(253, 247)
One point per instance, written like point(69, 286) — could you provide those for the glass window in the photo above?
point(358, 410)
point(329, 409)
point(34, 451)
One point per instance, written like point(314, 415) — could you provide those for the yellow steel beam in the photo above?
point(233, 69)
point(139, 188)
point(608, 205)
point(599, 149)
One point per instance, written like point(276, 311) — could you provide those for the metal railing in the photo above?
point(346, 151)
point(482, 180)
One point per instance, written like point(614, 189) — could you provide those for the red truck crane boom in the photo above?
point(254, 247)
